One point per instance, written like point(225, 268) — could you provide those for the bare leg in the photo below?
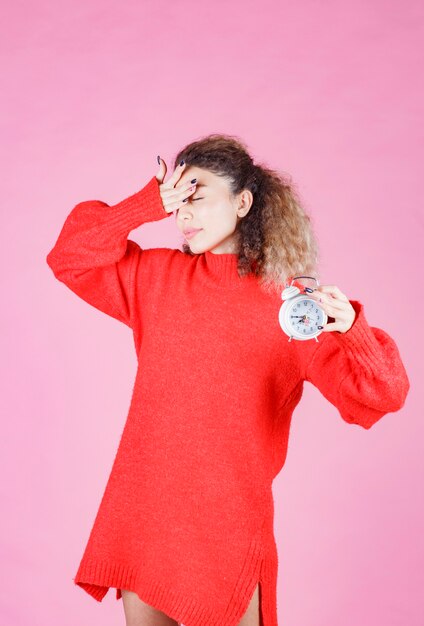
point(253, 616)
point(138, 613)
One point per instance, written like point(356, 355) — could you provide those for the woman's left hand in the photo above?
point(337, 306)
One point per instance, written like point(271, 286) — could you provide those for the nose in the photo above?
point(185, 210)
point(183, 217)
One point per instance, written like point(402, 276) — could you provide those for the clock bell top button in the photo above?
point(290, 292)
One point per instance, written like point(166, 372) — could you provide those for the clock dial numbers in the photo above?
point(305, 316)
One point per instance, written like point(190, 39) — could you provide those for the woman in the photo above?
point(184, 531)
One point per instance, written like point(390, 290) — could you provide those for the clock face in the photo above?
point(304, 316)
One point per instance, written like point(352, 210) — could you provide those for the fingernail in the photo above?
point(308, 289)
point(158, 158)
point(182, 162)
point(194, 180)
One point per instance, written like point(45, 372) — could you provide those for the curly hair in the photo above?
point(275, 238)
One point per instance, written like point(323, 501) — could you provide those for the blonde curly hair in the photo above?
point(276, 238)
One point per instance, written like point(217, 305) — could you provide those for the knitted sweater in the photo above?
point(186, 518)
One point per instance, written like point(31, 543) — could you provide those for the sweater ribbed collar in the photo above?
point(219, 270)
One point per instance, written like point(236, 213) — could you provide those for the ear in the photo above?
point(245, 202)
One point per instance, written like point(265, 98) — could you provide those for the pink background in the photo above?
point(327, 91)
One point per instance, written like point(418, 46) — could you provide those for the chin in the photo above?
point(191, 248)
point(196, 249)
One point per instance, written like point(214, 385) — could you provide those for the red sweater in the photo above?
point(186, 519)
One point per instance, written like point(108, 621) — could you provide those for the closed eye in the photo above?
point(197, 198)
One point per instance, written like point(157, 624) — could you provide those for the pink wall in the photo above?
point(328, 91)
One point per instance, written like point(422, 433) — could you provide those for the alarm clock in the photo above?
point(301, 317)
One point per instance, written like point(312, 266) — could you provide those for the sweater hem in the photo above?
point(259, 567)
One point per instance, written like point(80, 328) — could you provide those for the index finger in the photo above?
point(176, 174)
point(334, 291)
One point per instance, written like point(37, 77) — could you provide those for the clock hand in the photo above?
point(303, 317)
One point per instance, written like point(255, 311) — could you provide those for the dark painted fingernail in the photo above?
point(158, 158)
point(308, 289)
point(182, 162)
point(194, 180)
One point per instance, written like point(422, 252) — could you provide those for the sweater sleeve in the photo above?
point(93, 255)
point(360, 371)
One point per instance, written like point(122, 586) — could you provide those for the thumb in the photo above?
point(161, 173)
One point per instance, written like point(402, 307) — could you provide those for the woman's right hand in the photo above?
point(173, 199)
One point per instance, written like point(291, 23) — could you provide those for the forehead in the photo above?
point(204, 177)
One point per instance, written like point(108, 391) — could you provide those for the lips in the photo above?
point(188, 231)
point(191, 232)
